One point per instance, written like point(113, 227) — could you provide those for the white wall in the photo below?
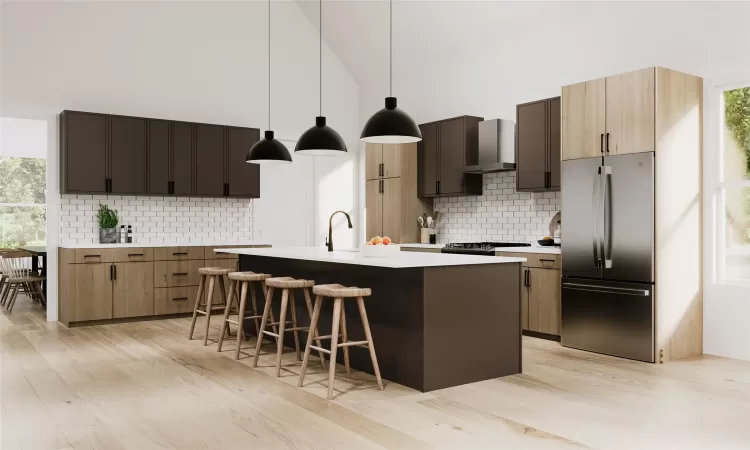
point(193, 61)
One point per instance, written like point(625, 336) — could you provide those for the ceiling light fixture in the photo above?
point(320, 140)
point(269, 150)
point(391, 125)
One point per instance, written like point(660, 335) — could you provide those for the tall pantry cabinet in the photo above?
point(391, 203)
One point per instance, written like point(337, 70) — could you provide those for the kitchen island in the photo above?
point(437, 320)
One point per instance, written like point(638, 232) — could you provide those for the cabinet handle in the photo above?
point(131, 255)
point(607, 144)
point(547, 260)
point(115, 267)
point(111, 272)
point(528, 278)
point(438, 188)
point(601, 143)
point(179, 274)
point(179, 254)
point(92, 256)
point(177, 299)
point(170, 187)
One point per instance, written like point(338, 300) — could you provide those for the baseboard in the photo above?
point(536, 334)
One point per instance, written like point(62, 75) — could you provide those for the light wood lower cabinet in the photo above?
point(174, 300)
point(177, 273)
point(133, 289)
point(544, 300)
point(91, 297)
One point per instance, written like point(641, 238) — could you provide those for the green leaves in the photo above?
point(737, 119)
point(107, 217)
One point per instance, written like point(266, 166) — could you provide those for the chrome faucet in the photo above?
point(330, 228)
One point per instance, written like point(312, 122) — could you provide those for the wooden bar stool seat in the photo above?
point(209, 276)
point(339, 293)
point(287, 286)
point(242, 282)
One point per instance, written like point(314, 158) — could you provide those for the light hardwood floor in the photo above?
point(144, 386)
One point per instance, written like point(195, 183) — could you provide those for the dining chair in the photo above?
point(17, 277)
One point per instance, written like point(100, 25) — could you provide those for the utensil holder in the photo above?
point(425, 236)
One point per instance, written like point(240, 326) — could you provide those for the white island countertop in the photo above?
point(161, 244)
point(398, 261)
point(534, 248)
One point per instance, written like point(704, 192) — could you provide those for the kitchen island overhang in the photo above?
point(437, 320)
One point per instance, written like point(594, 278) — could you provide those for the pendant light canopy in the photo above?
point(269, 150)
point(391, 125)
point(320, 140)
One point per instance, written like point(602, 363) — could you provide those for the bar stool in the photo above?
point(339, 293)
point(209, 275)
point(242, 282)
point(287, 285)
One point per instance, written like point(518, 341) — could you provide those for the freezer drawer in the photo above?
point(613, 318)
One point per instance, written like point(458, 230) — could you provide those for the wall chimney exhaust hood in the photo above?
point(497, 147)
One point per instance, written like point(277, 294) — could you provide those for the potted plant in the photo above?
point(108, 221)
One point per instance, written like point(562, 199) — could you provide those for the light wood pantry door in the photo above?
point(630, 112)
point(393, 158)
point(544, 300)
point(373, 209)
point(583, 119)
point(92, 298)
point(392, 213)
point(133, 289)
point(373, 161)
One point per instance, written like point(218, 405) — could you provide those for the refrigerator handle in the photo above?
point(607, 209)
point(595, 218)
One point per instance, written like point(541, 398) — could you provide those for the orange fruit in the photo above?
point(386, 240)
point(376, 240)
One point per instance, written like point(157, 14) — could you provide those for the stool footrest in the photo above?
point(352, 344)
point(271, 324)
point(268, 333)
point(328, 336)
point(320, 349)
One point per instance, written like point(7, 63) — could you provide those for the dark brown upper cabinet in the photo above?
point(83, 153)
point(447, 147)
point(538, 146)
point(108, 154)
point(210, 173)
point(127, 155)
point(243, 178)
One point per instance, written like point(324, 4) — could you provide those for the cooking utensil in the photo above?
point(424, 218)
point(429, 222)
point(420, 221)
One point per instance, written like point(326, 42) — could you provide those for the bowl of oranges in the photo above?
point(379, 247)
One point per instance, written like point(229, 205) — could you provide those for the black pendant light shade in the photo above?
point(391, 125)
point(320, 140)
point(269, 150)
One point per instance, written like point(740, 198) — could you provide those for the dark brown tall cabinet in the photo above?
point(538, 146)
point(107, 154)
point(447, 147)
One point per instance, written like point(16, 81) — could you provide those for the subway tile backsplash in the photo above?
point(157, 220)
point(501, 214)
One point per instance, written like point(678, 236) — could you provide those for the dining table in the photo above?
point(38, 252)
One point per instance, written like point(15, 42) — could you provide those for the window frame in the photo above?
point(33, 205)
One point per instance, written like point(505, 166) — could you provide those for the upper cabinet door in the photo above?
point(531, 160)
point(392, 159)
point(373, 161)
point(427, 160)
point(83, 165)
point(452, 156)
point(630, 112)
point(182, 158)
point(127, 155)
point(209, 160)
point(243, 178)
point(554, 148)
point(583, 119)
point(158, 157)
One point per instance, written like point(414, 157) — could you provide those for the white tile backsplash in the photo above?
point(158, 220)
point(500, 214)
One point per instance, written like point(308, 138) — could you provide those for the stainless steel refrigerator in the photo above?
point(608, 255)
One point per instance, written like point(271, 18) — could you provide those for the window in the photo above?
point(23, 183)
point(734, 187)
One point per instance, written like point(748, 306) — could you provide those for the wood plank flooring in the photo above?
point(144, 386)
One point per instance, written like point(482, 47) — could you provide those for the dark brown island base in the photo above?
point(437, 320)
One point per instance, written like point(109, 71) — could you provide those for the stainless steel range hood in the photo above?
point(497, 147)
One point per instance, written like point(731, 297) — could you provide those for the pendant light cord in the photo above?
point(390, 21)
point(269, 64)
point(320, 57)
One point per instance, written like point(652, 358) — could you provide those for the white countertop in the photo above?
point(157, 244)
point(400, 261)
point(532, 249)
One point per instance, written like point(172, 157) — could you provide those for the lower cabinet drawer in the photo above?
point(177, 273)
point(174, 300)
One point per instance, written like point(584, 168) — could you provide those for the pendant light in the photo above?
point(269, 150)
point(320, 140)
point(391, 125)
